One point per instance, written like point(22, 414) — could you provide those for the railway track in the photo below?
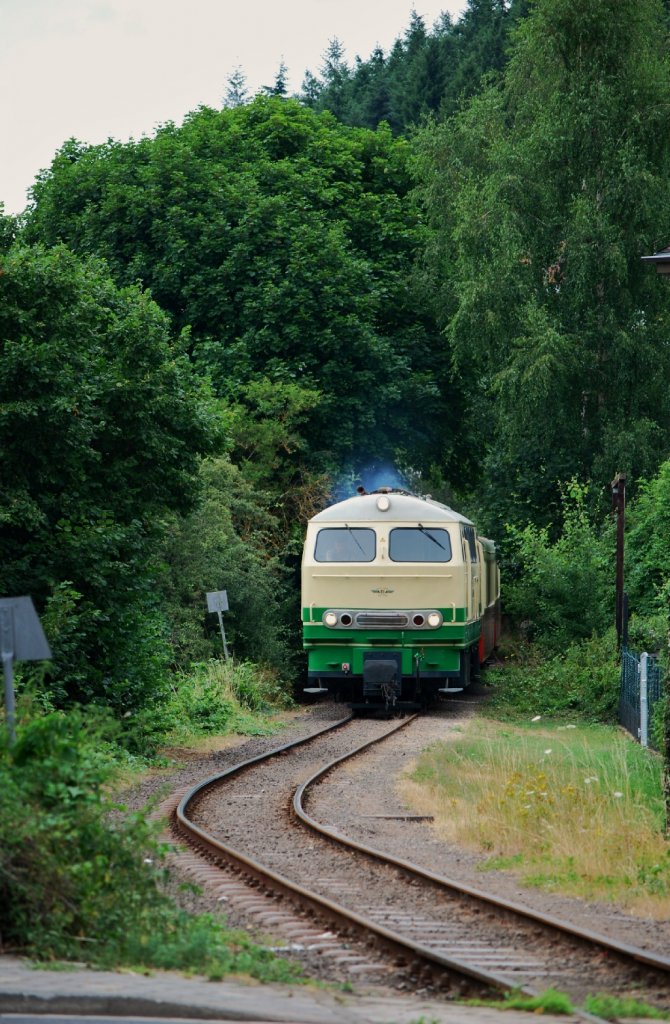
point(431, 927)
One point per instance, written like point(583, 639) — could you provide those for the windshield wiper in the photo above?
point(429, 534)
point(356, 540)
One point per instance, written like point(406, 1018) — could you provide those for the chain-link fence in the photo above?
point(641, 688)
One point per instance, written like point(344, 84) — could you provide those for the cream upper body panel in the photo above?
point(382, 581)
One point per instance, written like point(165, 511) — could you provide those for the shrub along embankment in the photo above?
point(80, 877)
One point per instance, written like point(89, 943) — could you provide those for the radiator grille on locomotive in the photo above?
point(391, 620)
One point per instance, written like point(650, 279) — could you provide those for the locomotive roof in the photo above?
point(403, 508)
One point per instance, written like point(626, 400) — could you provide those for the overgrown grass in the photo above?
point(569, 807)
point(217, 698)
point(551, 1001)
point(613, 1008)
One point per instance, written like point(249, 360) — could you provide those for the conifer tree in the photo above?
point(311, 89)
point(426, 71)
point(236, 91)
point(335, 75)
point(280, 86)
point(480, 47)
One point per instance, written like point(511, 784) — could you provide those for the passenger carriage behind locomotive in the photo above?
point(400, 600)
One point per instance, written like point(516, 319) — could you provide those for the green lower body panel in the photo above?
point(326, 658)
point(388, 666)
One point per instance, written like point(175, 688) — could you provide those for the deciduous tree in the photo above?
point(101, 426)
point(286, 243)
point(544, 194)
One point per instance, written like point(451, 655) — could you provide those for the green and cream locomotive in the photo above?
point(400, 600)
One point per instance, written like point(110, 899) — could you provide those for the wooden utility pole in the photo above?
point(619, 508)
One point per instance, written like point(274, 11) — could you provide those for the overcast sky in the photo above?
point(98, 69)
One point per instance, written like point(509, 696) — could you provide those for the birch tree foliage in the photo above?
point(543, 194)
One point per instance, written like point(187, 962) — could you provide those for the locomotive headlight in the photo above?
point(434, 620)
point(330, 618)
point(383, 503)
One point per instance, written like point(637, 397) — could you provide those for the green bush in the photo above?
point(79, 880)
point(229, 542)
point(560, 591)
point(63, 862)
point(649, 632)
point(648, 546)
point(582, 682)
point(218, 697)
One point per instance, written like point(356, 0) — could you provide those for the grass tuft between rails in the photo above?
point(573, 808)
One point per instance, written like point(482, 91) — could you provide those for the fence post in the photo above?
point(644, 699)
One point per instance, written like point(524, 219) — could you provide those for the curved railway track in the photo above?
point(463, 939)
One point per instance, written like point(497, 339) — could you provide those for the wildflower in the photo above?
point(536, 719)
point(591, 778)
point(618, 795)
point(548, 751)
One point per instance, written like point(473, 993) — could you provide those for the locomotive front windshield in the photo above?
point(345, 544)
point(419, 544)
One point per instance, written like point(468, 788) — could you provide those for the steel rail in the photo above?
point(587, 937)
point(343, 918)
point(236, 769)
point(348, 921)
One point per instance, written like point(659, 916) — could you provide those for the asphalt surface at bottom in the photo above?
point(28, 995)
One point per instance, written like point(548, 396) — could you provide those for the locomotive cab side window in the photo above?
point(469, 535)
point(419, 544)
point(345, 544)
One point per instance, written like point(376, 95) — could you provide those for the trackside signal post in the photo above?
point(217, 601)
point(21, 639)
